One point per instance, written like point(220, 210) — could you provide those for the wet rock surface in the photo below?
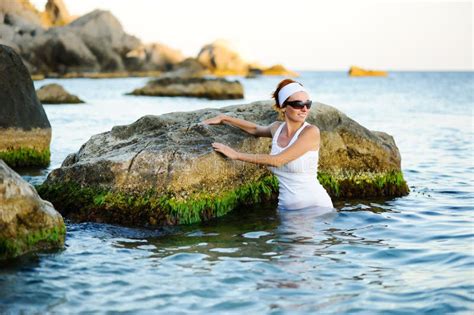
point(162, 170)
point(27, 223)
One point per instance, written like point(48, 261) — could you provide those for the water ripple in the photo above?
point(410, 255)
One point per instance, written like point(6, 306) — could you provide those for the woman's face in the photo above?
point(294, 113)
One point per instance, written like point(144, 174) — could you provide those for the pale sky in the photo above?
point(306, 34)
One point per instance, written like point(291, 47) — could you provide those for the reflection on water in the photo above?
point(406, 255)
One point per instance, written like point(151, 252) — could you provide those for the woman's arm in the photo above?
point(308, 140)
point(247, 126)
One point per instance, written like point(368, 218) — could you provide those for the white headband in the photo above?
point(289, 90)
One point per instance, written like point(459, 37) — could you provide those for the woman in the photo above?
point(295, 148)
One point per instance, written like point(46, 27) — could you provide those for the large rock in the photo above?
point(104, 36)
point(61, 52)
point(162, 170)
point(215, 89)
point(27, 223)
point(94, 42)
point(25, 132)
point(56, 94)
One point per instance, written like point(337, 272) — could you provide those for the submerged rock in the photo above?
point(214, 89)
point(162, 170)
point(27, 223)
point(25, 132)
point(56, 94)
point(359, 72)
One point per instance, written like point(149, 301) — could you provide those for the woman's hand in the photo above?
point(219, 119)
point(226, 150)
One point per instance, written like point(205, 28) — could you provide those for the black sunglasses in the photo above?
point(299, 104)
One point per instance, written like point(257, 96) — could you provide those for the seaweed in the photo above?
point(31, 241)
point(26, 157)
point(153, 208)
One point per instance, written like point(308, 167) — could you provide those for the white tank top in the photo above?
point(298, 182)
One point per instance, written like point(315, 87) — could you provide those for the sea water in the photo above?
point(412, 254)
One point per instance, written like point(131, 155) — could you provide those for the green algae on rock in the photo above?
point(162, 170)
point(152, 208)
point(363, 184)
point(18, 157)
point(25, 131)
point(27, 223)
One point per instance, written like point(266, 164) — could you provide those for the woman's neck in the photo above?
point(292, 126)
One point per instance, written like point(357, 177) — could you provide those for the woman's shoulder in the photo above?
point(274, 126)
point(310, 134)
point(311, 128)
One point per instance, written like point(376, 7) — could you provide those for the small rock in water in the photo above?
point(216, 89)
point(56, 94)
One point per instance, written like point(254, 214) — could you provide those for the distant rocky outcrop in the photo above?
point(55, 14)
point(19, 13)
point(214, 89)
point(222, 60)
point(162, 170)
point(188, 68)
point(154, 56)
point(56, 94)
point(360, 72)
point(25, 131)
point(95, 42)
point(27, 223)
point(278, 70)
point(54, 44)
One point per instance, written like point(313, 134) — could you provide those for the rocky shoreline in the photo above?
point(54, 44)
